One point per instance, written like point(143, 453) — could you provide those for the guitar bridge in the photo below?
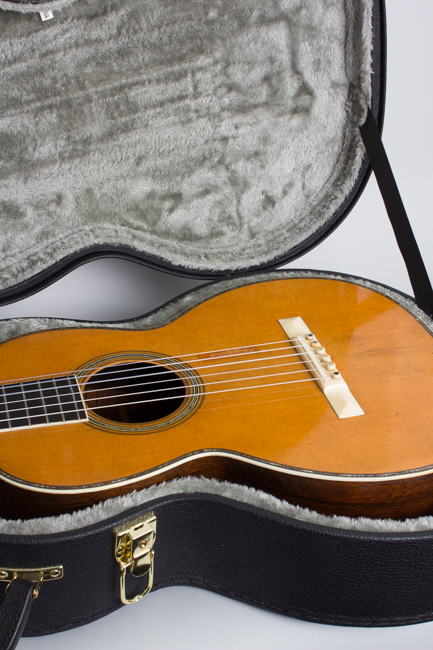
point(321, 367)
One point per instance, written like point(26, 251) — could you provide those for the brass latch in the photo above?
point(133, 549)
point(32, 575)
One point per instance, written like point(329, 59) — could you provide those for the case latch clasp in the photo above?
point(133, 550)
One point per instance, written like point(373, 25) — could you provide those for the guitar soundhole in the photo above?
point(133, 393)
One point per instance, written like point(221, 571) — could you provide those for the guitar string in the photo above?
point(175, 379)
point(168, 359)
point(214, 374)
point(26, 400)
point(127, 386)
point(154, 374)
point(159, 399)
point(166, 371)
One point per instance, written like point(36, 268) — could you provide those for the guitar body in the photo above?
point(238, 414)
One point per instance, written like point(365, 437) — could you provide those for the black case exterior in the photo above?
point(315, 573)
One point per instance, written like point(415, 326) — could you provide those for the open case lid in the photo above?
point(202, 138)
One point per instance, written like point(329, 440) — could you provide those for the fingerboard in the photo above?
point(40, 402)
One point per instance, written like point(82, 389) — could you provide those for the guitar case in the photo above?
point(216, 141)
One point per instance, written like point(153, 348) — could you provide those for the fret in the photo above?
point(34, 401)
point(41, 402)
point(52, 401)
point(23, 393)
point(38, 383)
point(70, 402)
point(18, 416)
point(67, 404)
point(4, 413)
point(76, 394)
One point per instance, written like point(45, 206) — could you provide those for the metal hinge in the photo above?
point(32, 575)
point(133, 550)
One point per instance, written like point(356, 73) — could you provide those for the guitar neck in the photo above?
point(41, 402)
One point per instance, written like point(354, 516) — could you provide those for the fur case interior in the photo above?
point(211, 135)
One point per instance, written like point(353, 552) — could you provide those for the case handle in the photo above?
point(14, 612)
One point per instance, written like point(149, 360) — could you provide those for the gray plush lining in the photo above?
point(27, 6)
point(112, 507)
point(212, 135)
point(191, 485)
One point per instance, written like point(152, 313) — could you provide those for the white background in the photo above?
point(182, 617)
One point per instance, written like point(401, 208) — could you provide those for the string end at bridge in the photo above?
point(321, 367)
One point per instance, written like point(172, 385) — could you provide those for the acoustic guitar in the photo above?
point(317, 391)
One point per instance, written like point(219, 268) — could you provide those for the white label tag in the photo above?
point(46, 15)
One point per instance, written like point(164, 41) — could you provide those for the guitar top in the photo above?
point(318, 391)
